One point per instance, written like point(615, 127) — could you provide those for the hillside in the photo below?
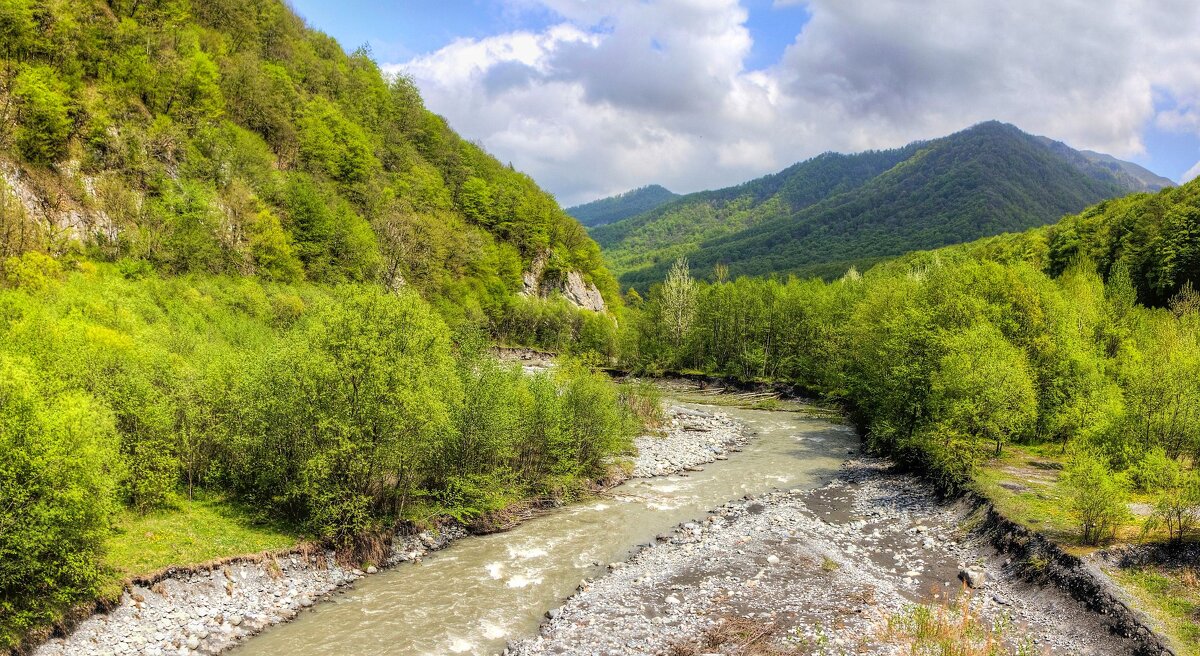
point(622, 206)
point(1153, 237)
point(834, 211)
point(228, 137)
point(244, 271)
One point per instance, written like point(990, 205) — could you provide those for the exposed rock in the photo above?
point(579, 292)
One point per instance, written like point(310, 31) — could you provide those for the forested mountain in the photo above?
point(834, 211)
point(622, 206)
point(228, 137)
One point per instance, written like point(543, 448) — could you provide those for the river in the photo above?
point(480, 592)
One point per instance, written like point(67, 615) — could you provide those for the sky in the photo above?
point(595, 97)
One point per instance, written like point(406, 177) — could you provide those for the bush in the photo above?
point(1097, 498)
point(1155, 471)
point(58, 473)
point(1178, 507)
point(33, 271)
point(43, 123)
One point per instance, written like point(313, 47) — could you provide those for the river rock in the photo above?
point(974, 577)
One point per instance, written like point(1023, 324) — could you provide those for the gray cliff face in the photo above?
point(574, 288)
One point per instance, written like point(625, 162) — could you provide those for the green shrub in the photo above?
point(1177, 508)
point(58, 474)
point(1155, 471)
point(1098, 500)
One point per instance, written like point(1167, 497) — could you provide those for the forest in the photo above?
point(229, 138)
point(622, 206)
point(339, 410)
point(1084, 337)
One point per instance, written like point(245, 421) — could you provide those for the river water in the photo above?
point(480, 592)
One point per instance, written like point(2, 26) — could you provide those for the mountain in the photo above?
point(225, 137)
point(826, 214)
point(622, 206)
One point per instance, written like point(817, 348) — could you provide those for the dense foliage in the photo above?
point(821, 216)
point(622, 206)
point(944, 359)
point(227, 137)
point(338, 409)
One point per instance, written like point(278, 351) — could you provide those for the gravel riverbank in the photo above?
point(691, 438)
point(209, 609)
point(823, 570)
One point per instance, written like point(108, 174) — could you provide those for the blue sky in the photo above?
point(864, 75)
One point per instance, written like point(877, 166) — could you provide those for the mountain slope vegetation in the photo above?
point(622, 206)
point(826, 214)
point(228, 137)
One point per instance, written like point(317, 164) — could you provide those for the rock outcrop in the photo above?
point(574, 288)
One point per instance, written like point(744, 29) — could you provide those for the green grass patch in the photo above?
point(1023, 485)
point(192, 532)
point(1172, 597)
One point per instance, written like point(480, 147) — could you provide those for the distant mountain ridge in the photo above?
point(823, 215)
point(622, 206)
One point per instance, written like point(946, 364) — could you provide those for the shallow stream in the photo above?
point(480, 592)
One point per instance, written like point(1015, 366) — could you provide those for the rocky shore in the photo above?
point(206, 610)
point(209, 609)
point(691, 438)
point(822, 570)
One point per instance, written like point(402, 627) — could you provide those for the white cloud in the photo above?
point(1191, 173)
point(627, 93)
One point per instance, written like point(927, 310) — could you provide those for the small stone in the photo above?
point(773, 559)
point(673, 600)
point(372, 569)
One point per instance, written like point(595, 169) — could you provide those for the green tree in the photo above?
point(43, 121)
point(58, 473)
point(678, 296)
point(983, 386)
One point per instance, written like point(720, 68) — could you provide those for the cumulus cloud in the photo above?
point(621, 94)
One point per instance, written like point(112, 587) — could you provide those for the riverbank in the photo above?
point(824, 570)
point(209, 608)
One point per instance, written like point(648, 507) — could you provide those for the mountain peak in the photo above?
point(823, 214)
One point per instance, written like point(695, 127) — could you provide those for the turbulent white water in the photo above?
point(483, 591)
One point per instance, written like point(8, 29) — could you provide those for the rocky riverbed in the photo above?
point(691, 438)
point(821, 571)
point(209, 609)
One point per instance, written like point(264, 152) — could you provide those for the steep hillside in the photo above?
point(834, 211)
point(622, 206)
point(1154, 238)
point(228, 137)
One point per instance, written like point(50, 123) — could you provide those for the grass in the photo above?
point(1041, 505)
point(192, 532)
point(1171, 596)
